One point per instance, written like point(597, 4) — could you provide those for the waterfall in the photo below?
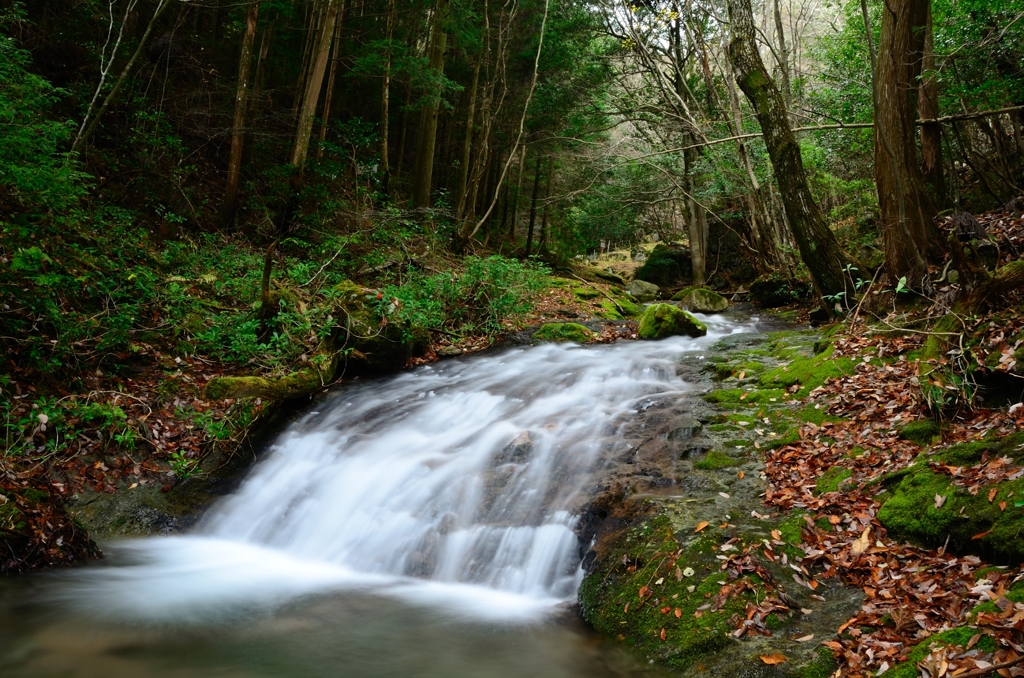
point(454, 484)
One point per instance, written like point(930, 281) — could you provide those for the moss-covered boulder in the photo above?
point(368, 333)
point(666, 265)
point(665, 320)
point(564, 332)
point(700, 300)
point(643, 291)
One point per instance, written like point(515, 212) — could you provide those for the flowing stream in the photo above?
point(419, 525)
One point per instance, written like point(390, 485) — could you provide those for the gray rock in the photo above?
point(643, 291)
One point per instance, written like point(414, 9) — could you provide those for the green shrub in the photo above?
point(485, 295)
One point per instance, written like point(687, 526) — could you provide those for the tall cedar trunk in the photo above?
point(385, 97)
point(905, 210)
point(783, 54)
point(533, 205)
point(312, 21)
point(515, 201)
point(423, 174)
point(238, 126)
point(326, 117)
point(257, 86)
point(928, 108)
point(698, 237)
point(547, 205)
point(405, 131)
point(313, 86)
point(818, 245)
point(467, 144)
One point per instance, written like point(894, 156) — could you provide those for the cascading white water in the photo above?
point(453, 483)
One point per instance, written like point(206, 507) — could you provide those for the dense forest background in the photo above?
point(525, 127)
point(170, 166)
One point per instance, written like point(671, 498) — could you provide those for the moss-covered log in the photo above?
point(295, 385)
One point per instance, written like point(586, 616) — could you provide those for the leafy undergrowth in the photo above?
point(866, 487)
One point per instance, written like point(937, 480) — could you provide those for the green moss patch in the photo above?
point(921, 432)
point(665, 320)
point(586, 293)
point(715, 460)
point(738, 396)
point(971, 453)
point(809, 373)
point(625, 595)
point(564, 332)
point(830, 480)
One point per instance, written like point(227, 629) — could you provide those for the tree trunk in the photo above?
point(467, 145)
point(533, 205)
point(254, 98)
point(818, 245)
point(385, 115)
point(783, 54)
point(326, 117)
point(905, 210)
point(547, 205)
point(238, 127)
point(697, 233)
point(928, 108)
point(313, 86)
point(422, 181)
point(87, 130)
point(515, 201)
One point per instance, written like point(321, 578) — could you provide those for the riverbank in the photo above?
point(785, 535)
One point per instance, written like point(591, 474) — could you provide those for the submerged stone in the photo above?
point(665, 320)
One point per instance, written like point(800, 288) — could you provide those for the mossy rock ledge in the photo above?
point(573, 332)
point(367, 338)
point(700, 300)
point(665, 320)
point(966, 523)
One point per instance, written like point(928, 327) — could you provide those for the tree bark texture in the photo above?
point(533, 204)
point(385, 113)
point(905, 212)
point(238, 125)
point(928, 109)
point(467, 144)
point(547, 205)
point(313, 85)
point(326, 117)
point(818, 245)
point(423, 173)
